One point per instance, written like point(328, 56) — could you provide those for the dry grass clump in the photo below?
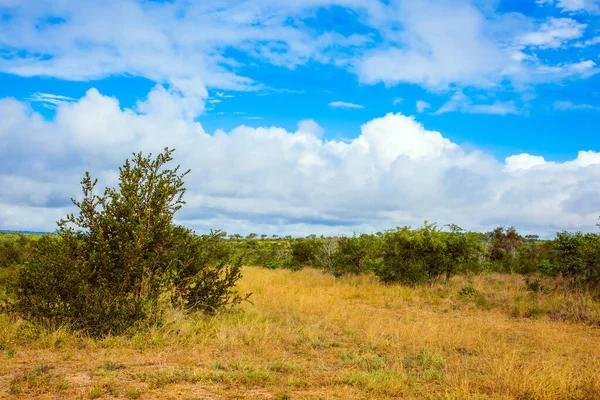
point(309, 335)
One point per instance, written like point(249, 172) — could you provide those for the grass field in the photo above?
point(310, 336)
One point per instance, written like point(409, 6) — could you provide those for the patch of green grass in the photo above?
point(367, 361)
point(165, 377)
point(133, 393)
point(284, 367)
point(382, 383)
point(246, 372)
point(426, 364)
point(96, 391)
point(112, 366)
point(9, 353)
point(37, 381)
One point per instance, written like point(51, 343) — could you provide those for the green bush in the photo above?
point(532, 257)
point(304, 252)
point(577, 258)
point(15, 249)
point(468, 291)
point(356, 255)
point(121, 260)
point(422, 255)
point(412, 257)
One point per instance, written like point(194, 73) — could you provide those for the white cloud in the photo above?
point(590, 42)
point(310, 127)
point(592, 6)
point(523, 162)
point(224, 96)
point(422, 106)
point(569, 105)
point(271, 180)
point(440, 43)
point(554, 33)
point(177, 43)
point(432, 43)
point(397, 101)
point(583, 69)
point(460, 102)
point(343, 104)
point(50, 101)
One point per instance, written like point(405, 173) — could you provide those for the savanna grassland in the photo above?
point(309, 335)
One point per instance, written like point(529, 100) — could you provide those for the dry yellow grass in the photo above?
point(310, 336)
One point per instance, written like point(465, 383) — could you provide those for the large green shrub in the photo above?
point(304, 252)
point(348, 257)
point(533, 257)
point(121, 259)
point(14, 249)
point(422, 255)
point(577, 258)
point(355, 255)
point(412, 257)
point(464, 252)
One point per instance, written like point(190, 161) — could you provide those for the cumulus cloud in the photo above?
point(523, 162)
point(271, 180)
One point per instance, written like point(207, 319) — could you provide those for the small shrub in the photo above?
point(535, 285)
point(468, 291)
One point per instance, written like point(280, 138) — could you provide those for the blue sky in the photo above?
point(374, 106)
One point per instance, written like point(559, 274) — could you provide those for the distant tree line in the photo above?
point(428, 253)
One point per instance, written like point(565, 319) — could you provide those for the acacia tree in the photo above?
point(113, 261)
